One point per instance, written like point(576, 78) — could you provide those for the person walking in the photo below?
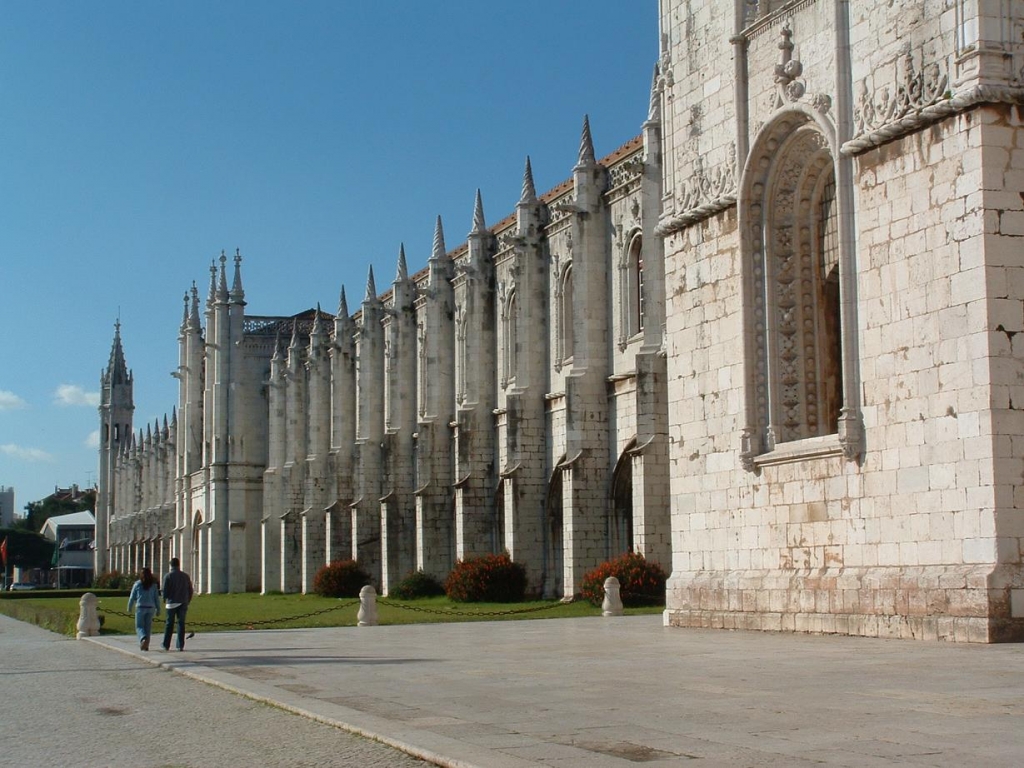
point(177, 595)
point(145, 599)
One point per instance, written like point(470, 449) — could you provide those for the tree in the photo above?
point(60, 503)
point(26, 549)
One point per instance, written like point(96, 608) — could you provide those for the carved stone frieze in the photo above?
point(703, 193)
point(918, 96)
point(914, 88)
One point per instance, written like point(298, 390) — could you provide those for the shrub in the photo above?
point(342, 578)
point(113, 580)
point(418, 584)
point(490, 578)
point(640, 582)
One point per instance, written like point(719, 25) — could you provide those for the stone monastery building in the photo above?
point(774, 342)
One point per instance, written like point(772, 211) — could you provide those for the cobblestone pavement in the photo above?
point(71, 703)
point(565, 693)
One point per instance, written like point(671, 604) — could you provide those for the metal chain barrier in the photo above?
point(246, 624)
point(476, 614)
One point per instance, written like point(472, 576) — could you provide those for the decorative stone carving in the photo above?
point(915, 88)
point(703, 194)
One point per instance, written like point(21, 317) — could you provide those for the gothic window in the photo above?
point(510, 341)
point(567, 340)
point(792, 256)
point(460, 355)
point(636, 285)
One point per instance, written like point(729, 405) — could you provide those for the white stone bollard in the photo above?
point(367, 615)
point(612, 605)
point(88, 619)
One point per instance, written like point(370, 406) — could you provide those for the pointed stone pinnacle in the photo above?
point(529, 192)
point(403, 270)
point(342, 304)
point(479, 226)
point(586, 144)
point(222, 288)
point(211, 297)
point(371, 287)
point(237, 294)
point(654, 112)
point(439, 251)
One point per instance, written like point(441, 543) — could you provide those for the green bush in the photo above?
point(342, 578)
point(113, 580)
point(640, 582)
point(418, 584)
point(486, 579)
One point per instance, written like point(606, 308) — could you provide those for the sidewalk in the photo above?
point(594, 692)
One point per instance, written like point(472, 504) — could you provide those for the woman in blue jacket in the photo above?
point(145, 598)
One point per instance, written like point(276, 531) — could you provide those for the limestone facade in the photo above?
point(509, 396)
point(773, 342)
point(842, 230)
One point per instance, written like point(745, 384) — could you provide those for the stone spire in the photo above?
point(317, 338)
point(529, 192)
point(117, 370)
point(439, 252)
point(654, 111)
point(276, 362)
point(479, 227)
point(211, 297)
point(587, 157)
point(403, 270)
point(237, 294)
point(193, 320)
point(222, 287)
point(342, 304)
point(184, 314)
point(294, 345)
point(371, 287)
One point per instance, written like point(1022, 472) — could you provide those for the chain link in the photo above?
point(350, 603)
point(477, 614)
point(247, 624)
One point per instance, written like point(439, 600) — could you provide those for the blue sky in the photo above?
point(139, 139)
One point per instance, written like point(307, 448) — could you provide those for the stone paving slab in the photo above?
point(624, 691)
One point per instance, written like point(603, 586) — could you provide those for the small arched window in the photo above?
point(568, 332)
point(636, 285)
point(511, 340)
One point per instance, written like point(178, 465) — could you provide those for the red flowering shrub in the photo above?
point(486, 579)
point(640, 582)
point(342, 578)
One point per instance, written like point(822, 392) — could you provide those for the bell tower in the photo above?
point(116, 408)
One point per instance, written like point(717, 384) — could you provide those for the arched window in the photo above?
point(636, 285)
point(568, 339)
point(792, 269)
point(511, 340)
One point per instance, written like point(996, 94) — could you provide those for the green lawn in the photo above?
point(227, 613)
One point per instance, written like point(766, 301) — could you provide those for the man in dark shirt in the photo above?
point(177, 595)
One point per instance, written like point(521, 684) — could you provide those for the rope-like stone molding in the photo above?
point(933, 113)
point(672, 224)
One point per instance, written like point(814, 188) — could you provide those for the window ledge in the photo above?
point(801, 450)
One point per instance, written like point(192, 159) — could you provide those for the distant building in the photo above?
point(74, 536)
point(6, 506)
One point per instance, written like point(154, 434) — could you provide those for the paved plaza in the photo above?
point(603, 692)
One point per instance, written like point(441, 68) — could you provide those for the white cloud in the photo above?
point(72, 394)
point(9, 401)
point(27, 454)
point(93, 440)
